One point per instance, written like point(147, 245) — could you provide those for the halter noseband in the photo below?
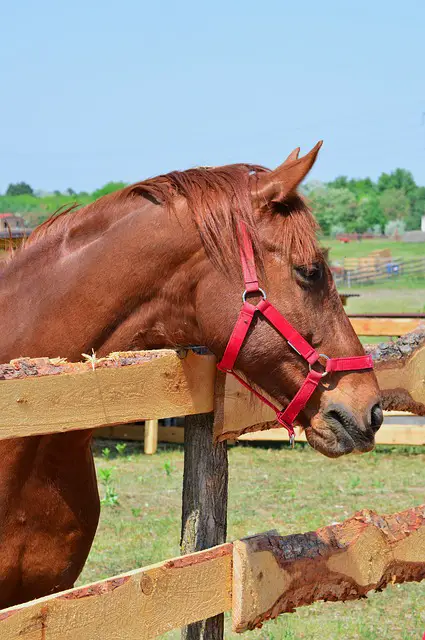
point(295, 340)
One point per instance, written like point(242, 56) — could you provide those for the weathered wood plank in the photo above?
point(274, 574)
point(391, 434)
point(403, 430)
point(385, 326)
point(42, 396)
point(35, 399)
point(151, 436)
point(204, 517)
point(138, 605)
point(400, 369)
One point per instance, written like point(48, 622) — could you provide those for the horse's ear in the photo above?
point(292, 156)
point(276, 185)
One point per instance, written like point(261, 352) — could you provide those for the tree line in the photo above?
point(393, 202)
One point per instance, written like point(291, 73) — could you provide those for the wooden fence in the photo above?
point(399, 428)
point(258, 577)
point(372, 269)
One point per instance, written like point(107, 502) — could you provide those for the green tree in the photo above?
point(334, 207)
point(110, 187)
point(19, 189)
point(394, 204)
point(398, 179)
point(417, 208)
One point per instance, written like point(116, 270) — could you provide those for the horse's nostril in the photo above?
point(376, 417)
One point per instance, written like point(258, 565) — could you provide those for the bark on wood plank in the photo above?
point(139, 605)
point(274, 574)
point(204, 518)
point(385, 326)
point(400, 368)
point(41, 396)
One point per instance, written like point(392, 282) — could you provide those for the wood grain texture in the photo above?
point(385, 326)
point(274, 574)
point(42, 396)
point(151, 437)
point(139, 605)
point(204, 517)
point(45, 396)
point(394, 434)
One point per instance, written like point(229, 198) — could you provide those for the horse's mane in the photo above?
point(218, 198)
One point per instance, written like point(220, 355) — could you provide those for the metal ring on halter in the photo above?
point(260, 291)
point(325, 373)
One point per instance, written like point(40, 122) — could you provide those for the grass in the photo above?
point(339, 250)
point(270, 488)
point(374, 299)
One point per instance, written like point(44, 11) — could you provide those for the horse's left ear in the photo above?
point(276, 185)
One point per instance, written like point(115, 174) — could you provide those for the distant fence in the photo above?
point(351, 274)
point(13, 238)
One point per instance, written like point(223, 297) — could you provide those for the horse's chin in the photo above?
point(332, 439)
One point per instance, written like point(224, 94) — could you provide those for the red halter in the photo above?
point(295, 341)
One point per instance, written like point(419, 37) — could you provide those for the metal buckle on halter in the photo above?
point(259, 291)
point(321, 355)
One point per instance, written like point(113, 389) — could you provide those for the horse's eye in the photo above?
point(311, 273)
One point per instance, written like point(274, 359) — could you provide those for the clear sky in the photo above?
point(93, 90)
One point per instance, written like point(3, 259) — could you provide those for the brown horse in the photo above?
point(157, 265)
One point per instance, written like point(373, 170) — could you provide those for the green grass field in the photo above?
point(339, 250)
point(270, 488)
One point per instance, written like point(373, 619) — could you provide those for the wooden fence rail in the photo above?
point(42, 396)
point(256, 578)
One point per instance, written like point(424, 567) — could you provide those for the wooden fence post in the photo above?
point(151, 436)
point(204, 517)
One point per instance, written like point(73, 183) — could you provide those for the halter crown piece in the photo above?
point(295, 340)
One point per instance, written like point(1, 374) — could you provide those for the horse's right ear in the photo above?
point(276, 185)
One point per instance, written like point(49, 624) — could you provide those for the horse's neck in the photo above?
point(119, 290)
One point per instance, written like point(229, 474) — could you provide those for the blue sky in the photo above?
point(95, 91)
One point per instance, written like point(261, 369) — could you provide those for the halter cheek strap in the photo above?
point(295, 340)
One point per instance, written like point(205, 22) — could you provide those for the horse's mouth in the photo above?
point(334, 434)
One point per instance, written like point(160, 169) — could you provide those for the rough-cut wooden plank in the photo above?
point(41, 396)
point(399, 366)
point(151, 436)
point(391, 434)
point(399, 428)
point(35, 399)
point(385, 326)
point(136, 432)
point(274, 574)
point(204, 518)
point(139, 605)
